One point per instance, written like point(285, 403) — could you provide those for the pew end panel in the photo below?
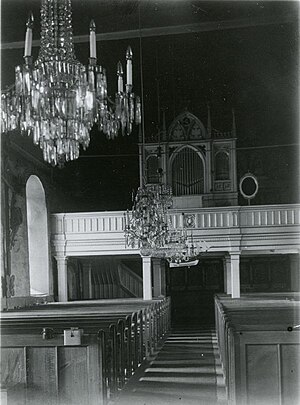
point(260, 349)
point(38, 371)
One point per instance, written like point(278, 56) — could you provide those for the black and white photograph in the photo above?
point(150, 202)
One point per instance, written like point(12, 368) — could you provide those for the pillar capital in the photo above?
point(156, 261)
point(234, 254)
point(61, 258)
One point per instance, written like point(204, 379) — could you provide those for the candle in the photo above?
point(129, 66)
point(28, 37)
point(120, 77)
point(92, 39)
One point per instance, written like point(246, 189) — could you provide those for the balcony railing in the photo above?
point(270, 228)
point(203, 218)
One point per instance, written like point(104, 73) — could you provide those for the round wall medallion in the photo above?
point(248, 186)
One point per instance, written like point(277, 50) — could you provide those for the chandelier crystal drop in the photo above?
point(57, 99)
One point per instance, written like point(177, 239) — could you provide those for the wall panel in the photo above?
point(262, 374)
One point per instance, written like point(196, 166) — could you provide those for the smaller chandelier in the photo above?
point(148, 227)
point(57, 100)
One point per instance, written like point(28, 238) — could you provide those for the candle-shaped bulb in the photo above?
point(129, 68)
point(120, 77)
point(129, 53)
point(92, 26)
point(28, 36)
point(92, 39)
point(30, 20)
point(119, 69)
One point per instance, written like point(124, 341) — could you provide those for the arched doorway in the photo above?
point(38, 238)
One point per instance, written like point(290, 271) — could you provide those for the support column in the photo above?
point(62, 276)
point(159, 283)
point(87, 280)
point(147, 283)
point(294, 268)
point(235, 275)
point(227, 274)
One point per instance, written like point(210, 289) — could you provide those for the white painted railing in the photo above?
point(203, 218)
point(88, 222)
point(269, 228)
point(277, 215)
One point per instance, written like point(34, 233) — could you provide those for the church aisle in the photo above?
point(186, 371)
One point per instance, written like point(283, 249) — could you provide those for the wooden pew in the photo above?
point(260, 348)
point(38, 366)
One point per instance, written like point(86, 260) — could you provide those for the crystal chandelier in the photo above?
point(57, 100)
point(148, 227)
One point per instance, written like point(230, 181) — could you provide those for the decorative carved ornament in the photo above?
point(186, 127)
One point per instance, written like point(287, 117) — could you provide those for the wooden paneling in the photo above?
point(265, 274)
point(118, 335)
point(262, 374)
point(73, 374)
point(260, 347)
point(37, 371)
point(290, 374)
point(13, 375)
point(41, 370)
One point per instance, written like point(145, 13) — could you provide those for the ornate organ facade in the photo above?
point(198, 162)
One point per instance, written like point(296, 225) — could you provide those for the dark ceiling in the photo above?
point(124, 15)
point(186, 53)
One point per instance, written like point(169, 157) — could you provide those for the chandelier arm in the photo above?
point(8, 89)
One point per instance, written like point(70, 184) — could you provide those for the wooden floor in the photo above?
point(186, 371)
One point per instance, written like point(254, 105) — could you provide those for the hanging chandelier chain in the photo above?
point(56, 31)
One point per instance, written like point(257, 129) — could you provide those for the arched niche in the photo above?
point(38, 238)
point(222, 171)
point(152, 169)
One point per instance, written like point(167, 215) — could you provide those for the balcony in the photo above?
point(263, 229)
